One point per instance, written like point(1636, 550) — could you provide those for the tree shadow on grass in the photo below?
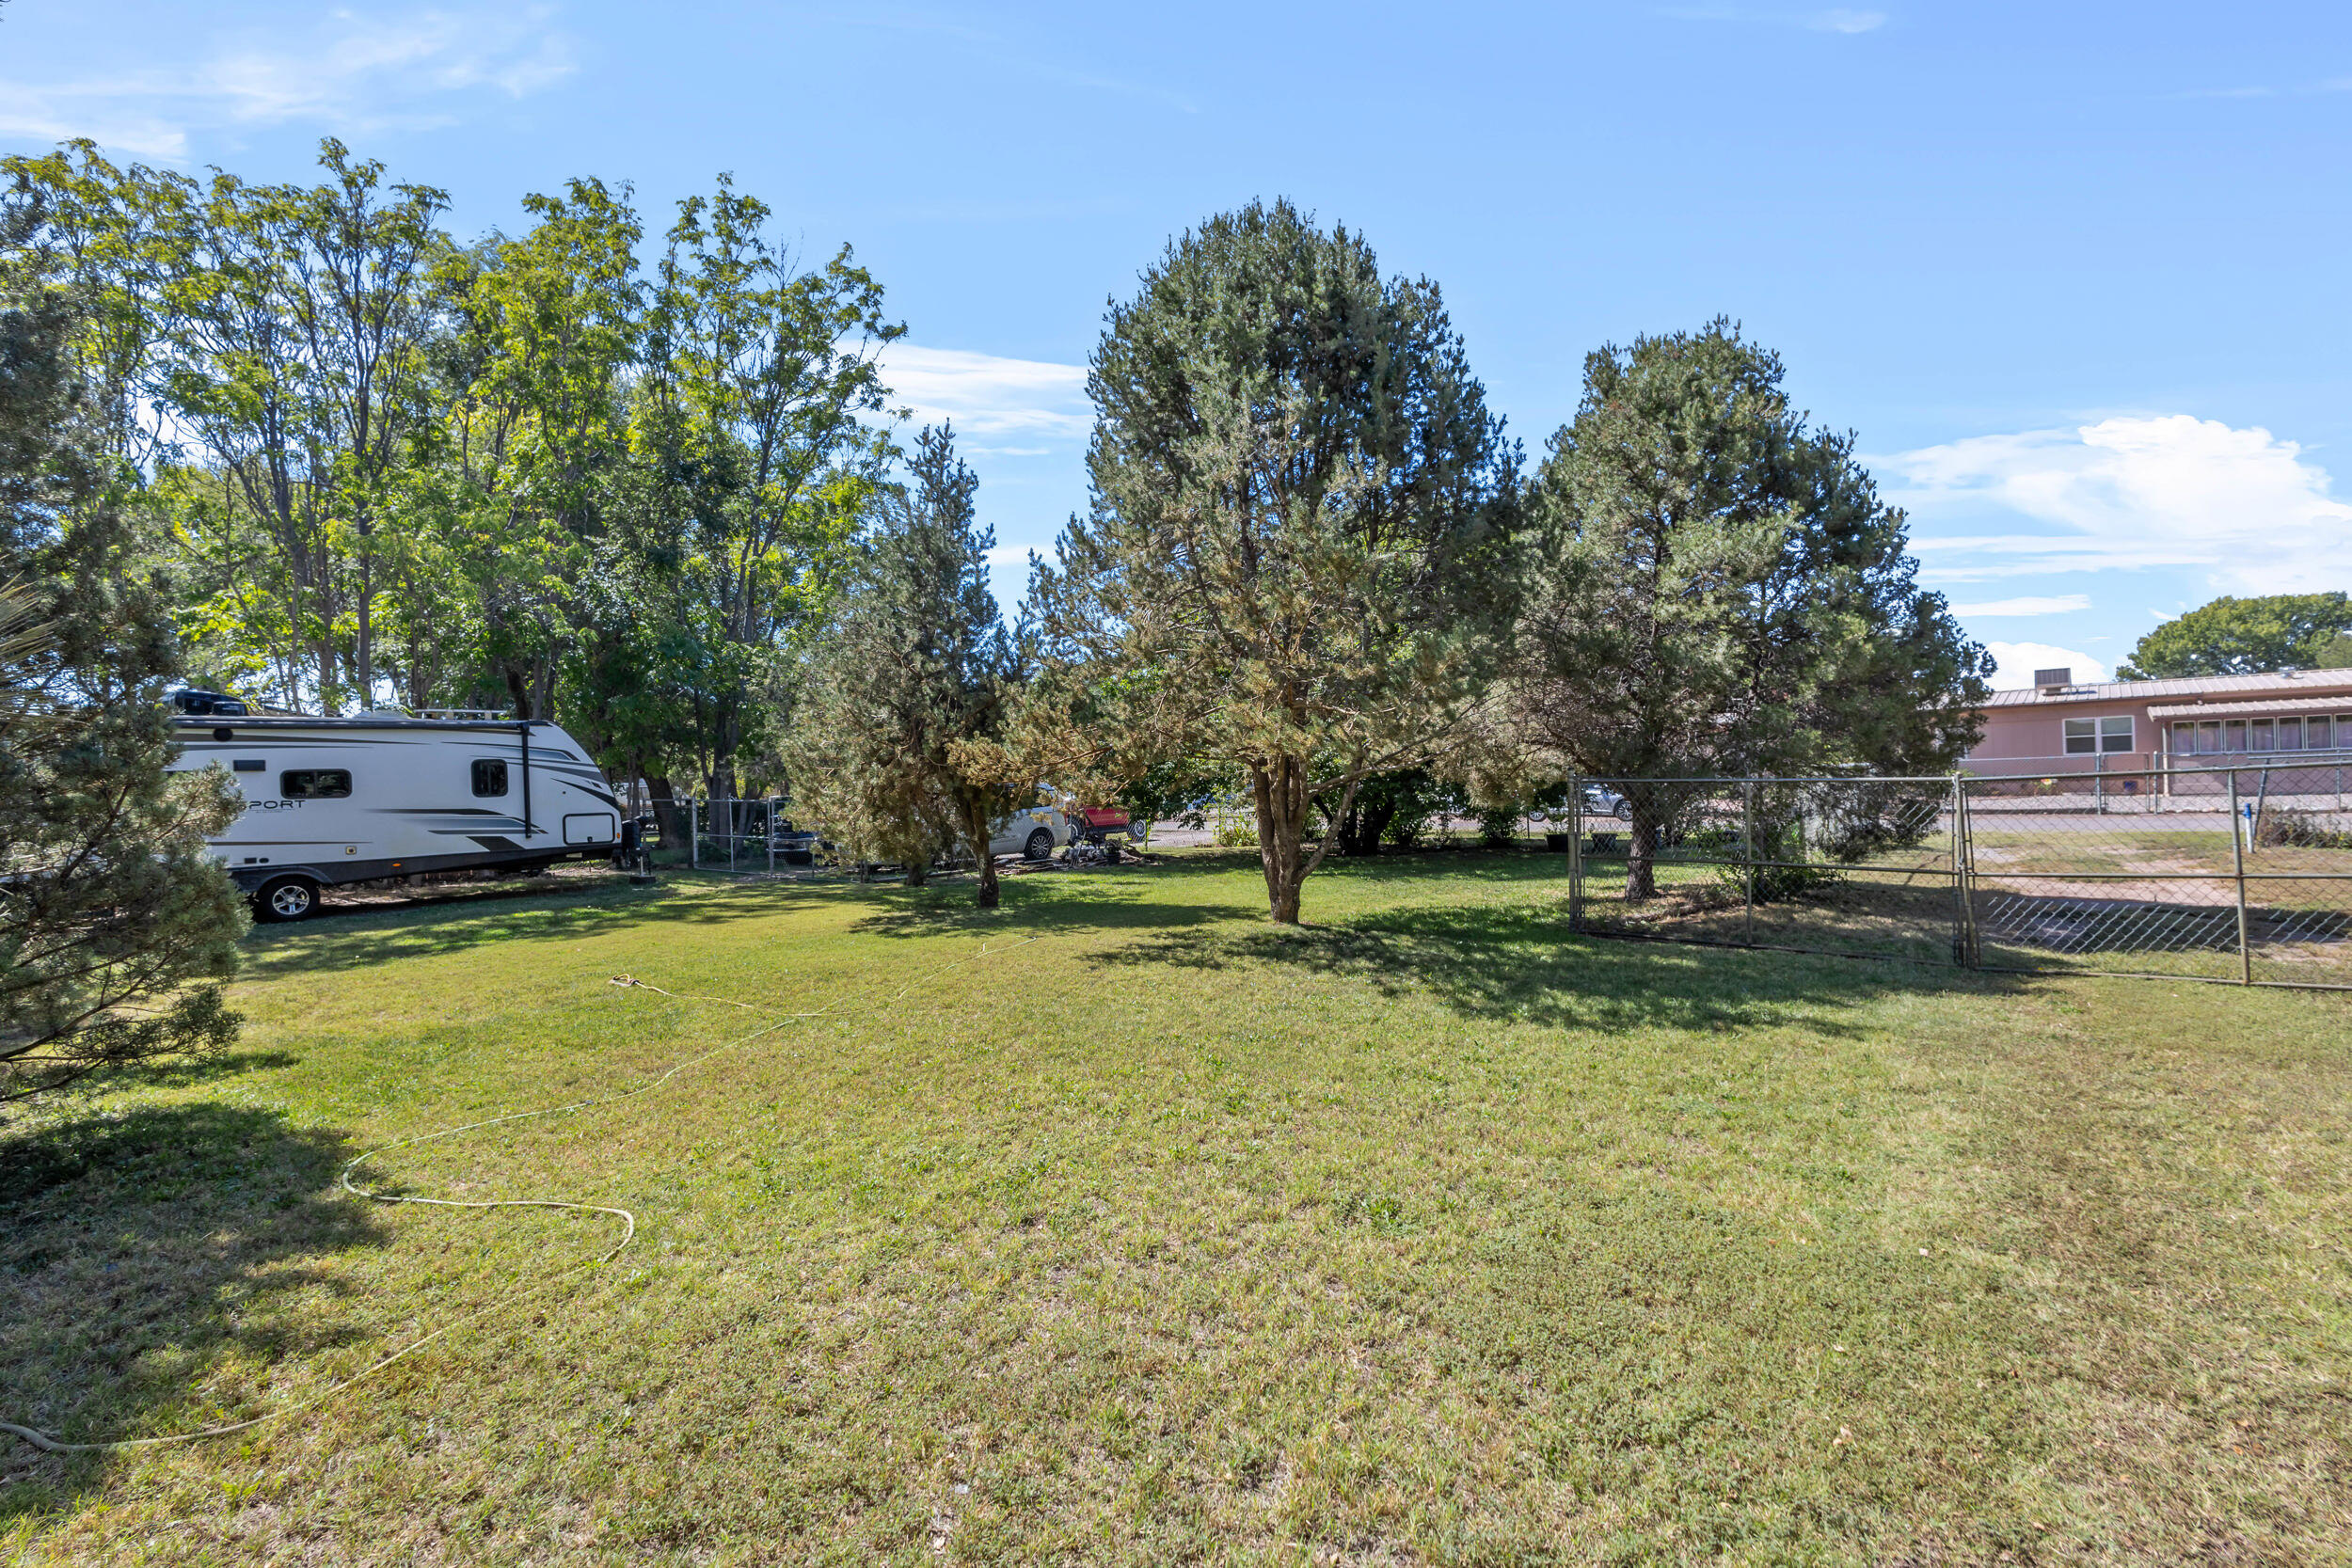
point(376, 934)
point(138, 1252)
point(1106, 900)
point(1521, 963)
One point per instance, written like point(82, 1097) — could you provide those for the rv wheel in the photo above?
point(1041, 846)
point(287, 898)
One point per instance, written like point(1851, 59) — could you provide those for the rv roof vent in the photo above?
point(188, 700)
point(2053, 681)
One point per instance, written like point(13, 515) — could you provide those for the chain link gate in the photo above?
point(2241, 875)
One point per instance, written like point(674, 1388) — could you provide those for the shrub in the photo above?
point(2285, 828)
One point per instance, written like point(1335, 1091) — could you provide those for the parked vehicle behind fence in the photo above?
point(1033, 831)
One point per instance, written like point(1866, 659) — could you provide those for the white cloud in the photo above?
point(355, 73)
point(1834, 21)
point(1846, 22)
point(2017, 662)
point(1009, 555)
point(986, 395)
point(2165, 490)
point(2057, 605)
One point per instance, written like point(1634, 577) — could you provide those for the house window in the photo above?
point(489, 776)
point(2233, 734)
point(2081, 737)
point(2290, 735)
point(2265, 738)
point(2184, 739)
point(314, 784)
point(2115, 733)
point(2209, 736)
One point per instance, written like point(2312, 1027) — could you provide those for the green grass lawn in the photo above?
point(1430, 1234)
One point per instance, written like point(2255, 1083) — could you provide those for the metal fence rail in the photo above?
point(2235, 874)
point(742, 837)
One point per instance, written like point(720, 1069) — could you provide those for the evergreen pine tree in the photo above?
point(1721, 591)
point(114, 923)
point(916, 670)
point(1298, 559)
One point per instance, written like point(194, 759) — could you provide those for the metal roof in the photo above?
point(2322, 700)
point(2320, 683)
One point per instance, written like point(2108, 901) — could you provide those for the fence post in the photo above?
point(2237, 865)
point(1576, 852)
point(1962, 948)
point(772, 836)
point(693, 835)
point(2099, 782)
point(1747, 844)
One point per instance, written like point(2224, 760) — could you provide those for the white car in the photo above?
point(1035, 831)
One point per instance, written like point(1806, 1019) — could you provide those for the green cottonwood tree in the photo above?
point(1721, 591)
point(114, 923)
point(2243, 637)
point(1299, 555)
point(756, 462)
point(914, 672)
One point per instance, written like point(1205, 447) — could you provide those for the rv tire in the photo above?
point(284, 899)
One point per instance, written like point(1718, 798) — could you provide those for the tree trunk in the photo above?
point(918, 872)
point(971, 814)
point(363, 656)
point(1278, 837)
point(1641, 858)
point(1279, 789)
point(666, 813)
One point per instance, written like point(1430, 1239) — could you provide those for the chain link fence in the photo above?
point(744, 836)
point(2235, 874)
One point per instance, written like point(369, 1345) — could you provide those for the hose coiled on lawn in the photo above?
point(629, 1221)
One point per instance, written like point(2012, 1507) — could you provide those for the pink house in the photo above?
point(2296, 716)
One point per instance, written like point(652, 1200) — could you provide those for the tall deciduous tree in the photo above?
point(1720, 590)
point(1299, 555)
point(281, 331)
point(2242, 637)
point(114, 923)
point(906, 695)
point(756, 462)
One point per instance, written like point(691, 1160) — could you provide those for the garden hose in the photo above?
point(629, 1221)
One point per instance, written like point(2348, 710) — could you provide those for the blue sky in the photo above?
point(2076, 275)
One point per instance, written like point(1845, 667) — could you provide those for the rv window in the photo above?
point(489, 776)
point(314, 784)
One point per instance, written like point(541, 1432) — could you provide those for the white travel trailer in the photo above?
point(332, 800)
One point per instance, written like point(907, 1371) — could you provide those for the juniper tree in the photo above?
point(1721, 591)
point(916, 669)
point(1297, 556)
point(114, 923)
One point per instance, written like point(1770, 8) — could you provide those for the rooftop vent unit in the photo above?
point(2053, 682)
point(206, 704)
